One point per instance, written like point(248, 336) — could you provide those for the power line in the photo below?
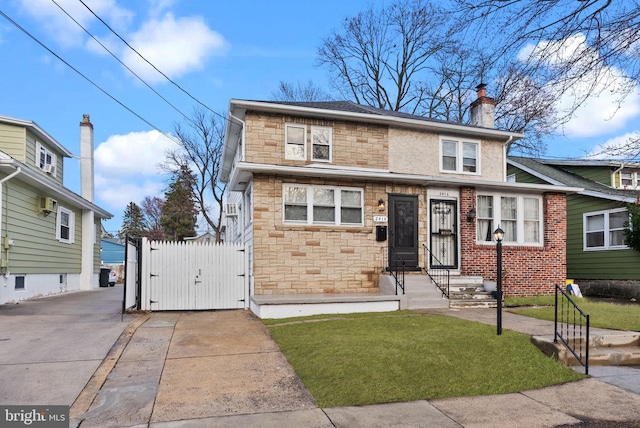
point(35, 39)
point(118, 59)
point(154, 67)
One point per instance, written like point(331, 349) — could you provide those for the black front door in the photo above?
point(444, 234)
point(403, 231)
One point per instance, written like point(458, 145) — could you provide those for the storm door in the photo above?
point(403, 231)
point(444, 234)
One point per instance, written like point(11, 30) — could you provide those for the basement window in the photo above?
point(19, 282)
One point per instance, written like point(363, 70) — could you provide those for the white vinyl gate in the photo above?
point(192, 276)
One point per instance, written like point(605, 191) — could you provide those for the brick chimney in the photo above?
point(86, 158)
point(482, 109)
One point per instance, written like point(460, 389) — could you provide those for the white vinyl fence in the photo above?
point(192, 276)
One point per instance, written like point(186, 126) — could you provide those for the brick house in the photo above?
point(327, 196)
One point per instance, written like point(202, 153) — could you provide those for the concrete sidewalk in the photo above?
point(222, 369)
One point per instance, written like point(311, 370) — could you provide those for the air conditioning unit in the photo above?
point(231, 210)
point(50, 168)
point(47, 204)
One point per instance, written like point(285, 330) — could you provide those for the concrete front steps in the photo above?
point(422, 293)
point(468, 292)
point(611, 349)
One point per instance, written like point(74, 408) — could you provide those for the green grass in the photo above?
point(601, 314)
point(348, 360)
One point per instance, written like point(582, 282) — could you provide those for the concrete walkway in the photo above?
point(222, 369)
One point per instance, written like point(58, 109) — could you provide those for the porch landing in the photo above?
point(420, 293)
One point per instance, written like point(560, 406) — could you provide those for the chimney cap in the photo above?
point(481, 86)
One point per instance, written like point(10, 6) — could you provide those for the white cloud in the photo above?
point(126, 167)
point(59, 26)
point(605, 112)
point(175, 46)
point(614, 145)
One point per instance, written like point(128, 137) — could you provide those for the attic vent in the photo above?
point(231, 210)
point(47, 205)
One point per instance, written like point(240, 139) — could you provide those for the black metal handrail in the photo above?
point(571, 316)
point(439, 274)
point(397, 269)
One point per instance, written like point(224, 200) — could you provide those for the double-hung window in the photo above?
point(295, 142)
point(45, 159)
point(65, 225)
point(326, 205)
point(604, 230)
point(520, 217)
point(321, 143)
point(460, 156)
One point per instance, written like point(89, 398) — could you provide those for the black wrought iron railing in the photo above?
point(571, 327)
point(397, 267)
point(439, 274)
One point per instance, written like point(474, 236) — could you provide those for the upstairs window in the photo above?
point(295, 142)
point(46, 160)
point(321, 143)
point(628, 179)
point(604, 230)
point(460, 156)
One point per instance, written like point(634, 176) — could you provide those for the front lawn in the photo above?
point(348, 360)
point(601, 314)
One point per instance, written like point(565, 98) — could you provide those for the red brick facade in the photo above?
point(526, 270)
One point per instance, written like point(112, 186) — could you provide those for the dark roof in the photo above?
point(562, 176)
point(351, 107)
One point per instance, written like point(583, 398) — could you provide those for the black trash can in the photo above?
point(104, 277)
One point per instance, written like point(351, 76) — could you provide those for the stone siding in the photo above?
point(611, 288)
point(353, 145)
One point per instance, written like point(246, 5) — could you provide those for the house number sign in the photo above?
point(380, 218)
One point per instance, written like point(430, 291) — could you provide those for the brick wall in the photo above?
point(526, 270)
point(355, 145)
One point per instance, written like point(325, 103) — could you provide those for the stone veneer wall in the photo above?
point(354, 145)
point(527, 271)
point(310, 259)
point(612, 288)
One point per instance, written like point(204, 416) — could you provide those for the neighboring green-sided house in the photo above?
point(597, 258)
point(48, 234)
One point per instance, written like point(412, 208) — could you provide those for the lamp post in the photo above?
point(499, 235)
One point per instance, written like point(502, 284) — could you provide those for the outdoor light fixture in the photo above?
point(499, 235)
point(471, 215)
point(381, 204)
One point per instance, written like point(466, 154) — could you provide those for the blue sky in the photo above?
point(214, 50)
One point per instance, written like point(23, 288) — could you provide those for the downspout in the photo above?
point(504, 165)
point(5, 259)
point(243, 128)
point(613, 176)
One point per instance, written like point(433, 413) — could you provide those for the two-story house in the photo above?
point(597, 258)
point(49, 235)
point(327, 195)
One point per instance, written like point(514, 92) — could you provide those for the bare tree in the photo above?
point(152, 210)
point(574, 48)
point(409, 56)
point(288, 91)
point(200, 150)
point(380, 56)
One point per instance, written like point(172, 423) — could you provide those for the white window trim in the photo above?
point(330, 129)
point(309, 205)
point(286, 143)
point(459, 156)
point(606, 231)
point(72, 225)
point(497, 219)
point(54, 159)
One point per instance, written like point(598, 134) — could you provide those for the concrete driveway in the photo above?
point(50, 347)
